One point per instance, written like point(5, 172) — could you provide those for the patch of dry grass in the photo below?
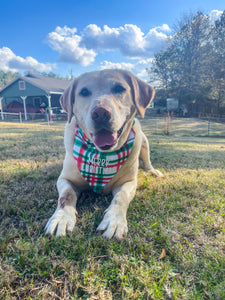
point(184, 126)
point(176, 240)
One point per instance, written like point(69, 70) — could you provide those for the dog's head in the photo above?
point(105, 103)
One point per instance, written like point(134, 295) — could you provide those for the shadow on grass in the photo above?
point(30, 197)
point(183, 154)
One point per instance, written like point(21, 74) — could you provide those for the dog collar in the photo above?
point(97, 167)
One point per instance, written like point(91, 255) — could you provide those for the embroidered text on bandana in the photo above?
point(98, 168)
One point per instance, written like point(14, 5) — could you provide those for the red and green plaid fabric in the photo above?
point(98, 168)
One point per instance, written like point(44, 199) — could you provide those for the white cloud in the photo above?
point(138, 68)
point(110, 65)
point(164, 27)
point(65, 31)
point(67, 43)
point(141, 67)
point(214, 15)
point(128, 39)
point(10, 62)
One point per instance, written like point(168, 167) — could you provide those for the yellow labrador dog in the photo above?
point(103, 143)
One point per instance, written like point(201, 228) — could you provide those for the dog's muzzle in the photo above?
point(104, 138)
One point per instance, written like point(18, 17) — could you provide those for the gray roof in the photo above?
point(48, 84)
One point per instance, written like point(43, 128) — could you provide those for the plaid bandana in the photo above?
point(98, 168)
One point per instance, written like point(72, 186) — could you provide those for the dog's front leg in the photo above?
point(114, 223)
point(64, 218)
point(145, 157)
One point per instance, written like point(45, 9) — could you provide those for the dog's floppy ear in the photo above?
point(142, 93)
point(68, 98)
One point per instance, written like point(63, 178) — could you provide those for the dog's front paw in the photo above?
point(114, 224)
point(64, 219)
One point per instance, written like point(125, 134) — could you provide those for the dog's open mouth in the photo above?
point(105, 139)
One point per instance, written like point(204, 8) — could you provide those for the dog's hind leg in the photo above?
point(145, 158)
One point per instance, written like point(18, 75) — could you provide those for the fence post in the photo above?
point(47, 118)
point(167, 124)
point(1, 105)
point(208, 127)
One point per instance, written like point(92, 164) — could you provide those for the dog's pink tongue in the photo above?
point(104, 138)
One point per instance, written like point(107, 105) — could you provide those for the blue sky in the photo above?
point(82, 36)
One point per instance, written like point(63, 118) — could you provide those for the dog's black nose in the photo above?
point(100, 114)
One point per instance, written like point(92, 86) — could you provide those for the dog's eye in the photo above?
point(118, 89)
point(85, 92)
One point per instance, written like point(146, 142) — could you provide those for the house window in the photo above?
point(22, 85)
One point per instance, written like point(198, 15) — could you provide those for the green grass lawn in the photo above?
point(175, 248)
